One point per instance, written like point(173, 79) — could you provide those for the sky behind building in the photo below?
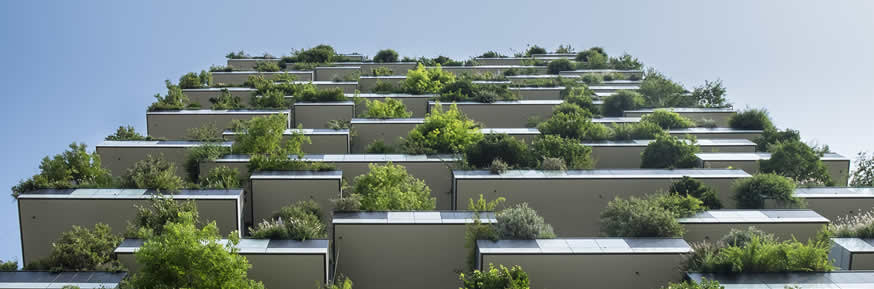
point(76, 70)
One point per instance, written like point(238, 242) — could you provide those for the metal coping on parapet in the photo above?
point(699, 142)
point(387, 120)
point(356, 158)
point(233, 194)
point(159, 143)
point(252, 246)
point(602, 174)
point(835, 192)
point(45, 279)
point(572, 246)
point(757, 156)
point(210, 111)
point(334, 103)
point(285, 175)
point(511, 131)
point(504, 102)
point(417, 217)
point(834, 279)
point(755, 216)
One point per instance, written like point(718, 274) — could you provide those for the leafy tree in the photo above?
point(271, 99)
point(581, 96)
point(426, 80)
point(863, 174)
point(498, 146)
point(166, 260)
point(759, 255)
point(8, 266)
point(319, 54)
point(692, 187)
point(772, 136)
point(667, 119)
point(751, 193)
point(390, 108)
point(575, 155)
point(670, 152)
point(390, 188)
point(534, 49)
point(465, 90)
point(82, 249)
point(443, 132)
point(622, 100)
point(266, 66)
point(585, 55)
point(559, 65)
point(226, 100)
point(162, 210)
point(625, 62)
point(238, 55)
point(190, 80)
point(153, 173)
point(127, 133)
point(386, 55)
point(221, 177)
point(496, 278)
point(174, 100)
point(660, 91)
point(751, 119)
point(639, 130)
point(798, 161)
point(299, 221)
point(74, 168)
point(574, 125)
point(522, 223)
point(711, 94)
point(204, 152)
point(636, 217)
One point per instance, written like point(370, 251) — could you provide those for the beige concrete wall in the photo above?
point(415, 104)
point(177, 126)
point(202, 96)
point(388, 256)
point(368, 83)
point(397, 68)
point(626, 73)
point(572, 206)
point(315, 115)
point(538, 93)
point(628, 157)
point(749, 136)
point(862, 261)
point(697, 232)
point(331, 73)
point(44, 220)
point(390, 133)
point(721, 118)
point(347, 87)
point(835, 208)
point(501, 61)
point(494, 70)
point(247, 64)
point(503, 115)
point(270, 195)
point(605, 271)
point(837, 170)
point(240, 77)
point(118, 159)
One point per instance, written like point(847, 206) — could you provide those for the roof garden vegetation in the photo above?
point(74, 168)
point(670, 152)
point(151, 219)
point(689, 284)
point(155, 173)
point(863, 174)
point(442, 132)
point(390, 187)
point(269, 149)
point(194, 80)
point(668, 119)
point(82, 249)
point(521, 222)
point(127, 133)
point(6, 266)
point(266, 66)
point(653, 216)
point(426, 80)
point(638, 130)
point(226, 100)
point(688, 186)
point(298, 221)
point(798, 161)
point(492, 54)
point(389, 108)
point(751, 193)
point(543, 153)
point(465, 90)
point(221, 177)
point(571, 121)
point(204, 152)
point(751, 119)
point(174, 100)
point(386, 55)
point(534, 49)
point(622, 100)
point(853, 226)
point(495, 278)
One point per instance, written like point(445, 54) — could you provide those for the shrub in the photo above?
point(309, 93)
point(349, 203)
point(150, 220)
point(126, 133)
point(592, 79)
point(679, 206)
point(8, 266)
point(492, 54)
point(491, 147)
point(174, 100)
point(692, 187)
point(192, 80)
point(553, 164)
point(660, 91)
point(581, 96)
point(751, 119)
point(390, 108)
point(225, 100)
point(522, 223)
point(379, 147)
point(638, 218)
point(574, 125)
point(639, 130)
point(264, 135)
point(534, 49)
point(386, 55)
point(74, 168)
point(740, 238)
point(266, 66)
point(386, 87)
point(423, 81)
point(759, 255)
point(498, 167)
point(466, 90)
point(707, 122)
point(667, 119)
point(220, 68)
point(704, 284)
point(82, 249)
point(319, 54)
point(583, 56)
point(272, 99)
point(204, 152)
point(442, 132)
point(221, 177)
point(711, 94)
point(613, 76)
point(209, 132)
point(390, 188)
point(772, 135)
point(798, 161)
point(751, 193)
point(153, 173)
point(558, 65)
point(863, 174)
point(381, 71)
point(669, 152)
point(617, 104)
point(625, 62)
point(299, 221)
point(574, 154)
point(496, 278)
point(239, 55)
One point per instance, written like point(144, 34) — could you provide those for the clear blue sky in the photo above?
point(75, 70)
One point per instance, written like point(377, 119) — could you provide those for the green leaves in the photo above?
point(863, 174)
point(153, 173)
point(617, 104)
point(442, 132)
point(522, 223)
point(82, 249)
point(390, 108)
point(74, 168)
point(796, 160)
point(654, 216)
point(669, 152)
point(299, 221)
point(667, 119)
point(386, 55)
point(751, 119)
point(760, 255)
point(424, 81)
point(496, 278)
point(751, 193)
point(390, 188)
point(126, 133)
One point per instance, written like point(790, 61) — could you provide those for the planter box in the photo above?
point(240, 77)
point(368, 83)
point(838, 166)
point(626, 73)
point(836, 202)
point(324, 141)
point(616, 263)
point(276, 263)
point(555, 55)
point(347, 87)
point(317, 114)
point(397, 68)
point(388, 130)
point(492, 82)
point(503, 114)
point(852, 253)
point(118, 156)
point(572, 200)
point(526, 135)
point(538, 93)
point(201, 96)
point(834, 279)
point(434, 170)
point(248, 63)
point(612, 121)
point(412, 249)
point(492, 69)
point(501, 60)
point(417, 104)
point(175, 125)
point(610, 90)
point(273, 190)
point(524, 78)
point(712, 225)
point(719, 115)
point(716, 133)
point(45, 214)
point(45, 279)
point(626, 154)
point(335, 73)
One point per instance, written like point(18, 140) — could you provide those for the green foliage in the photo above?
point(379, 147)
point(574, 154)
point(581, 96)
point(238, 55)
point(226, 100)
point(863, 174)
point(348, 203)
point(625, 62)
point(204, 152)
point(82, 249)
point(667, 119)
point(390, 188)
point(319, 54)
point(704, 284)
point(496, 278)
point(751, 119)
point(150, 220)
point(669, 152)
point(381, 71)
point(534, 49)
point(390, 108)
point(383, 87)
point(220, 68)
point(692, 187)
point(585, 55)
point(575, 125)
point(166, 260)
point(508, 149)
point(341, 282)
point(74, 168)
point(477, 230)
point(680, 206)
point(772, 136)
point(798, 161)
point(559, 65)
point(853, 226)
point(209, 132)
point(466, 90)
point(309, 93)
point(386, 55)
point(640, 218)
point(761, 255)
point(267, 66)
point(522, 223)
point(299, 221)
point(442, 132)
point(174, 100)
point(617, 104)
point(264, 135)
point(126, 133)
point(751, 193)
point(492, 54)
point(498, 166)
point(711, 94)
point(271, 99)
point(592, 79)
point(424, 81)
point(639, 130)
point(153, 173)
point(193, 80)
point(8, 266)
point(613, 76)
point(740, 238)
point(221, 177)
point(660, 91)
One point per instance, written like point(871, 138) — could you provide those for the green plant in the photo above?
point(153, 173)
point(309, 93)
point(74, 168)
point(208, 132)
point(220, 68)
point(162, 210)
point(761, 255)
point(692, 187)
point(466, 90)
point(704, 284)
point(679, 206)
point(127, 133)
point(751, 193)
point(772, 135)
point(299, 221)
point(574, 125)
point(592, 79)
point(639, 218)
point(318, 54)
point(82, 249)
point(226, 100)
point(498, 167)
point(341, 282)
point(585, 55)
point(390, 108)
point(853, 226)
point(553, 164)
point(193, 80)
point(381, 71)
point(670, 152)
point(639, 130)
point(660, 91)
point(559, 65)
point(711, 94)
point(798, 161)
point(622, 100)
point(386, 55)
point(390, 188)
point(383, 87)
point(751, 119)
point(239, 55)
point(613, 76)
point(174, 100)
point(348, 203)
point(581, 96)
point(272, 99)
point(534, 49)
point(8, 266)
point(667, 119)
point(707, 122)
point(492, 54)
point(264, 135)
point(496, 278)
point(512, 151)
point(423, 81)
point(221, 177)
point(442, 132)
point(522, 223)
point(740, 238)
point(477, 230)
point(863, 174)
point(572, 153)
point(266, 66)
point(204, 152)
point(625, 62)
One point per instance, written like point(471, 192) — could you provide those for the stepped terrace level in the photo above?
point(119, 156)
point(832, 280)
point(58, 280)
point(838, 166)
point(835, 202)
point(784, 224)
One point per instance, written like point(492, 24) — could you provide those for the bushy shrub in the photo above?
point(264, 135)
point(740, 238)
point(522, 223)
point(299, 221)
point(667, 119)
point(498, 166)
point(74, 168)
point(534, 49)
point(390, 188)
point(751, 119)
point(574, 125)
point(581, 96)
point(381, 71)
point(639, 130)
point(509, 149)
point(204, 152)
point(692, 187)
point(711, 94)
point(319, 54)
point(622, 100)
point(266, 66)
point(613, 76)
point(559, 65)
point(380, 147)
point(704, 284)
point(564, 48)
point(271, 99)
point(208, 132)
point(759, 255)
point(798, 161)
point(639, 218)
point(751, 193)
point(442, 132)
point(660, 91)
point(669, 152)
point(772, 135)
point(386, 55)
point(383, 87)
point(220, 68)
point(127, 133)
point(553, 164)
point(6, 266)
point(151, 219)
point(466, 90)
point(82, 249)
point(592, 79)
point(153, 173)
point(193, 80)
point(238, 55)
point(574, 154)
point(309, 93)
point(625, 62)
point(221, 177)
point(492, 54)
point(583, 56)
point(226, 100)
point(390, 108)
point(174, 100)
point(496, 278)
point(863, 174)
point(424, 81)
point(348, 203)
